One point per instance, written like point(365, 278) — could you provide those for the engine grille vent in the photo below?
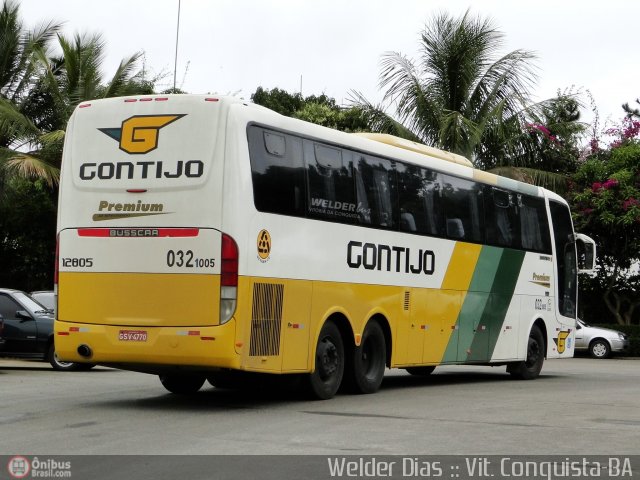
point(266, 319)
point(407, 300)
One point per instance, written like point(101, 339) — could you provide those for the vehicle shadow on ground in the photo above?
point(45, 367)
point(265, 392)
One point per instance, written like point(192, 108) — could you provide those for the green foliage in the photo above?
point(278, 100)
point(467, 97)
point(27, 234)
point(606, 204)
point(556, 135)
point(321, 110)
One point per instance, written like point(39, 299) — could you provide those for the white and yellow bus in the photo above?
point(200, 237)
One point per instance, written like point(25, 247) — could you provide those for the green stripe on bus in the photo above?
point(474, 302)
point(495, 312)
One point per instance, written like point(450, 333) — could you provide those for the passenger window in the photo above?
point(419, 199)
point(534, 225)
point(463, 209)
point(376, 189)
point(502, 218)
point(277, 171)
point(331, 193)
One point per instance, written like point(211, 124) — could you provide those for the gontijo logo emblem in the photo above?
point(139, 134)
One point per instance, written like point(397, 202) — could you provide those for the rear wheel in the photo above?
point(420, 371)
point(530, 368)
point(599, 348)
point(329, 363)
point(182, 384)
point(225, 379)
point(369, 360)
point(58, 364)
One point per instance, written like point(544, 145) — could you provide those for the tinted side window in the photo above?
point(8, 307)
point(534, 224)
point(502, 218)
point(419, 199)
point(331, 192)
point(463, 209)
point(277, 171)
point(376, 189)
point(565, 259)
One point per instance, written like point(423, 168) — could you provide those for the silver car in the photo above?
point(600, 342)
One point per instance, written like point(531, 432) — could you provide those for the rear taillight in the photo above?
point(228, 278)
point(55, 271)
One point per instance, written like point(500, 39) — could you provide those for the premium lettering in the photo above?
point(387, 258)
point(105, 206)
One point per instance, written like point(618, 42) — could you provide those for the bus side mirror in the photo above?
point(586, 248)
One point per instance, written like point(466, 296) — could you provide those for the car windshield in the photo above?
point(47, 299)
point(31, 304)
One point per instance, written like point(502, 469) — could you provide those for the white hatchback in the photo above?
point(600, 342)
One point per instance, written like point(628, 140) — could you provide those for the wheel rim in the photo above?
point(327, 359)
point(59, 362)
point(533, 353)
point(599, 349)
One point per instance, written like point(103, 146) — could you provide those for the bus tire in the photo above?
point(530, 368)
point(366, 369)
point(225, 379)
point(57, 364)
point(328, 371)
point(420, 371)
point(182, 383)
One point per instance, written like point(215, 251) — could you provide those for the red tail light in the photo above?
point(229, 267)
point(55, 271)
point(228, 278)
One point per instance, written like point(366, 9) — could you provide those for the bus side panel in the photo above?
point(274, 326)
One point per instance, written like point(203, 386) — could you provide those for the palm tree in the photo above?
point(463, 96)
point(19, 69)
point(34, 123)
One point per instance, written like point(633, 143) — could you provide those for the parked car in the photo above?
point(599, 342)
point(28, 330)
point(46, 298)
point(1, 336)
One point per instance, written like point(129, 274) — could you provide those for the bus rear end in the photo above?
point(146, 278)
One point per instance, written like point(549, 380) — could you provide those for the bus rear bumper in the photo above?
point(202, 347)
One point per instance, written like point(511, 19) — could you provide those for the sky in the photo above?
point(335, 46)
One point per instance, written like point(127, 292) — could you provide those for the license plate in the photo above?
point(132, 336)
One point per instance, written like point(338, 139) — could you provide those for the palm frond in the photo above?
point(378, 120)
point(556, 182)
point(121, 77)
point(30, 166)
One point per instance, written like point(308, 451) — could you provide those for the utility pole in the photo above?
point(175, 64)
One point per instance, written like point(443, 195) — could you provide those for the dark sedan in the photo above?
point(28, 330)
